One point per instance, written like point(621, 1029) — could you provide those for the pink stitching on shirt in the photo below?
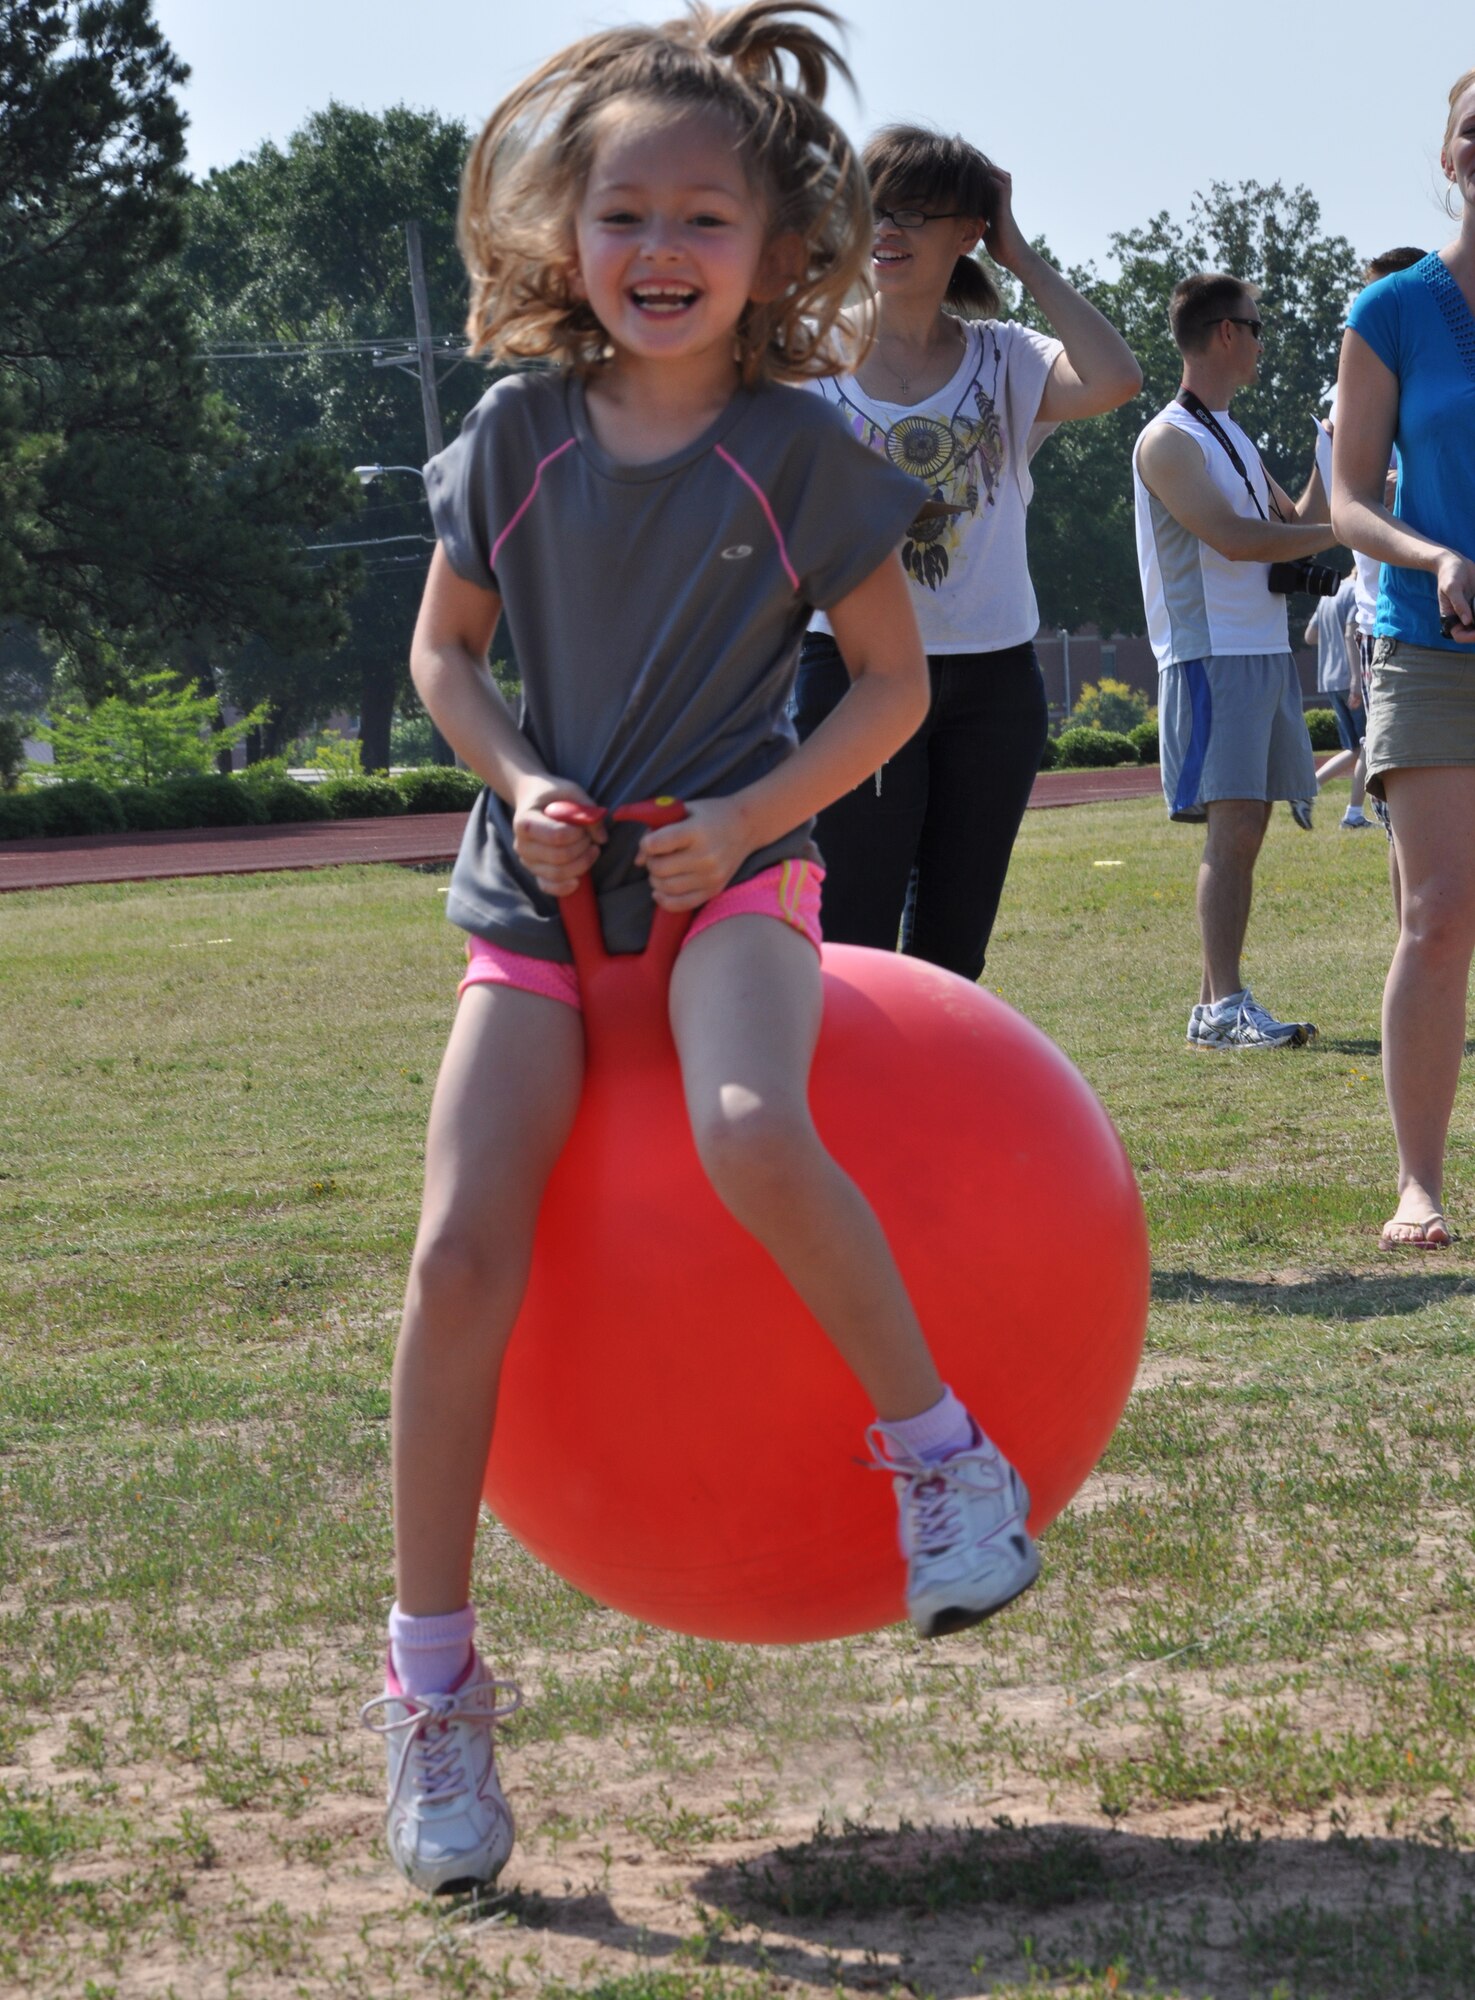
point(750, 482)
point(532, 494)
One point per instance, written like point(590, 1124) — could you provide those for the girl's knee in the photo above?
point(750, 1146)
point(455, 1267)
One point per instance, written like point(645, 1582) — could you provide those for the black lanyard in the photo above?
point(1199, 409)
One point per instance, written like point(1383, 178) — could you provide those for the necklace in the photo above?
point(904, 381)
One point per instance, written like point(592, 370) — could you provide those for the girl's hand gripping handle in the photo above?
point(580, 910)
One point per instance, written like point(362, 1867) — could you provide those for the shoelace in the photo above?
point(1261, 1019)
point(431, 1748)
point(933, 1489)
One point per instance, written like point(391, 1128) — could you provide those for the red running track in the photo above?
point(419, 838)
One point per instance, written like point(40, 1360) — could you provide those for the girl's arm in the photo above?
point(448, 664)
point(1098, 371)
point(876, 631)
point(1367, 419)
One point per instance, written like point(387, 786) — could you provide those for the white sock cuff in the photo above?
point(446, 1628)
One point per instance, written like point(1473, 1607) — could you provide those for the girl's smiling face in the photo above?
point(670, 237)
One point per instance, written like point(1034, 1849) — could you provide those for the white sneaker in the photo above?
point(1258, 1028)
point(962, 1531)
point(1195, 1037)
point(448, 1826)
point(1240, 1022)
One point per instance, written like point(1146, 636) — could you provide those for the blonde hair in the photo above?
point(527, 172)
point(1461, 85)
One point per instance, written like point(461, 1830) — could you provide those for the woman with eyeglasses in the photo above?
point(962, 400)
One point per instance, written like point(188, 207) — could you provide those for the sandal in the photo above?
point(1433, 1233)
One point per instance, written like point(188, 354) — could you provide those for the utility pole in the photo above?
point(1065, 668)
point(422, 364)
point(430, 401)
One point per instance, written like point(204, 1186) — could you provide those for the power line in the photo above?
point(296, 350)
point(375, 542)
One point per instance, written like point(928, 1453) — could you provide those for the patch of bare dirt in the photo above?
point(627, 1859)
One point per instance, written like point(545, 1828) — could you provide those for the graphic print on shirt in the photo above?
point(961, 459)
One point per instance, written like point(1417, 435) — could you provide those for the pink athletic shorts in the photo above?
point(789, 892)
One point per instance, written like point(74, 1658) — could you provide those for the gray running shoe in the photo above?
point(1195, 1036)
point(1301, 814)
point(1240, 1022)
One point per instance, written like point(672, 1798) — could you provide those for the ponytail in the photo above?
point(971, 292)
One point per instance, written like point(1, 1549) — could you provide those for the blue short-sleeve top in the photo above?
point(1419, 326)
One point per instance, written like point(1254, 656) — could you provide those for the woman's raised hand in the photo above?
point(1002, 237)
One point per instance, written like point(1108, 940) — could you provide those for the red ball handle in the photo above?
point(580, 911)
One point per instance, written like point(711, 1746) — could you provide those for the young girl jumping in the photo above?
point(674, 226)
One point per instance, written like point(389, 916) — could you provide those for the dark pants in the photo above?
point(924, 846)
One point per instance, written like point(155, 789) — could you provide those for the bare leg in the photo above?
point(504, 1102)
point(1424, 1000)
point(1359, 781)
point(1225, 883)
point(1395, 884)
point(745, 1011)
point(1335, 767)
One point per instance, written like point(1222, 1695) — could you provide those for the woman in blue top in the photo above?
point(1407, 378)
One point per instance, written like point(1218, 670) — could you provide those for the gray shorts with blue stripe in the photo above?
point(1232, 727)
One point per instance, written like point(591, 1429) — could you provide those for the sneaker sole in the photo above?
point(956, 1618)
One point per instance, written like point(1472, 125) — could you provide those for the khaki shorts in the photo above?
point(1420, 709)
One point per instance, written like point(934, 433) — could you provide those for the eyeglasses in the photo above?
point(1256, 326)
point(914, 218)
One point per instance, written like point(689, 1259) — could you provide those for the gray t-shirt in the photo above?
point(656, 613)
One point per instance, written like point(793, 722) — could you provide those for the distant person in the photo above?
point(1210, 523)
point(1340, 679)
point(1365, 569)
point(1407, 380)
point(962, 399)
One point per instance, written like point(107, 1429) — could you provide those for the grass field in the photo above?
point(1226, 1749)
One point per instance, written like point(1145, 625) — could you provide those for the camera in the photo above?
point(1319, 579)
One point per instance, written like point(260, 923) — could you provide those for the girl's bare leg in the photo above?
point(1433, 813)
point(745, 1012)
point(504, 1103)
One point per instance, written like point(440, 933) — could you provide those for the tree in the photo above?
point(303, 248)
point(1081, 526)
point(132, 512)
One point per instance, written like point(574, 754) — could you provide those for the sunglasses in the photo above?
point(1256, 326)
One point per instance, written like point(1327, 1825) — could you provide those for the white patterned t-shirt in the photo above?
point(972, 443)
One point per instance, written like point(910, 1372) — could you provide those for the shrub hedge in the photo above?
point(82, 806)
point(1321, 727)
point(435, 788)
point(1049, 754)
point(1146, 739)
point(362, 798)
point(1093, 749)
point(190, 801)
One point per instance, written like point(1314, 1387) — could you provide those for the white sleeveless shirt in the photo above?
point(1199, 604)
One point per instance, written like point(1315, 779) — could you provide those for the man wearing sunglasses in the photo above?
point(1210, 522)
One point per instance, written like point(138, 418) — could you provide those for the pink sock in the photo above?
point(429, 1655)
point(937, 1433)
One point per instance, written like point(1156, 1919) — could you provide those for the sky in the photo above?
point(1105, 114)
